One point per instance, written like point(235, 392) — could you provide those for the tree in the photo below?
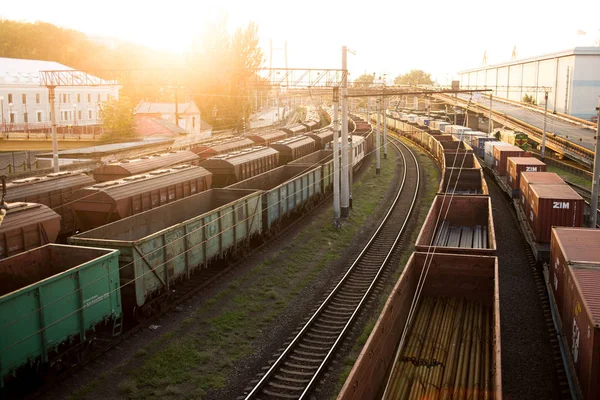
point(117, 120)
point(414, 77)
point(529, 99)
point(365, 80)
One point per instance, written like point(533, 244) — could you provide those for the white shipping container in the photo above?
point(489, 151)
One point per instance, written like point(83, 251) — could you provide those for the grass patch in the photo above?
point(431, 179)
point(220, 333)
point(568, 176)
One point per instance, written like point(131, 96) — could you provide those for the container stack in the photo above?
point(448, 353)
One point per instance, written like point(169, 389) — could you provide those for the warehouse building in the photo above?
point(572, 78)
point(24, 102)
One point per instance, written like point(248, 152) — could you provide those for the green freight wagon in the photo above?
point(286, 189)
point(323, 159)
point(169, 242)
point(51, 298)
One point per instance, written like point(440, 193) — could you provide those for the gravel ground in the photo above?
point(91, 382)
point(528, 370)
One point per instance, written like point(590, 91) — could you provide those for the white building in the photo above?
point(24, 102)
point(572, 77)
point(189, 114)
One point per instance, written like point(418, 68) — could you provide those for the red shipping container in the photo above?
point(553, 205)
point(529, 178)
point(501, 153)
point(518, 165)
point(581, 326)
point(568, 247)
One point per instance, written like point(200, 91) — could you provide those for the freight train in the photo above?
point(56, 299)
point(449, 287)
point(455, 248)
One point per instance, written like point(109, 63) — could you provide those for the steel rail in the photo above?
point(288, 350)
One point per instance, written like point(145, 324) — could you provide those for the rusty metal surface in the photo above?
point(518, 165)
point(501, 153)
point(143, 164)
point(581, 318)
point(464, 211)
point(293, 148)
point(265, 139)
point(553, 205)
point(27, 226)
point(113, 200)
point(540, 178)
point(469, 276)
point(213, 148)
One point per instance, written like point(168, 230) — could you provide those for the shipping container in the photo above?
point(501, 154)
point(553, 205)
point(438, 126)
point(294, 147)
point(575, 279)
point(488, 155)
point(539, 178)
point(518, 165)
point(123, 169)
point(223, 146)
point(54, 190)
point(228, 169)
point(27, 226)
point(168, 243)
point(52, 297)
point(467, 277)
point(570, 247)
point(111, 201)
point(478, 144)
point(461, 224)
point(286, 190)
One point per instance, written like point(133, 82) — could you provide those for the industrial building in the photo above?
point(571, 77)
point(24, 102)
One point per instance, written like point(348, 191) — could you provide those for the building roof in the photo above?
point(16, 71)
point(577, 51)
point(146, 107)
point(149, 126)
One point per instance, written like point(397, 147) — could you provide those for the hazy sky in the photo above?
point(440, 37)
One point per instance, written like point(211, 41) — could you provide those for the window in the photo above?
point(89, 98)
point(39, 116)
point(37, 98)
point(24, 98)
point(12, 118)
point(79, 114)
point(89, 114)
point(25, 117)
point(10, 98)
point(78, 98)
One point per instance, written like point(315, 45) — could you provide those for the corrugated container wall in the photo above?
point(500, 156)
point(553, 205)
point(539, 178)
point(517, 165)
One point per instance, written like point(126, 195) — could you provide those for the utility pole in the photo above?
point(336, 160)
point(176, 109)
point(345, 184)
point(543, 153)
point(455, 107)
point(594, 199)
point(378, 141)
point(384, 129)
point(490, 121)
point(51, 96)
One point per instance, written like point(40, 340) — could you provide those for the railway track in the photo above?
point(297, 368)
point(183, 291)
